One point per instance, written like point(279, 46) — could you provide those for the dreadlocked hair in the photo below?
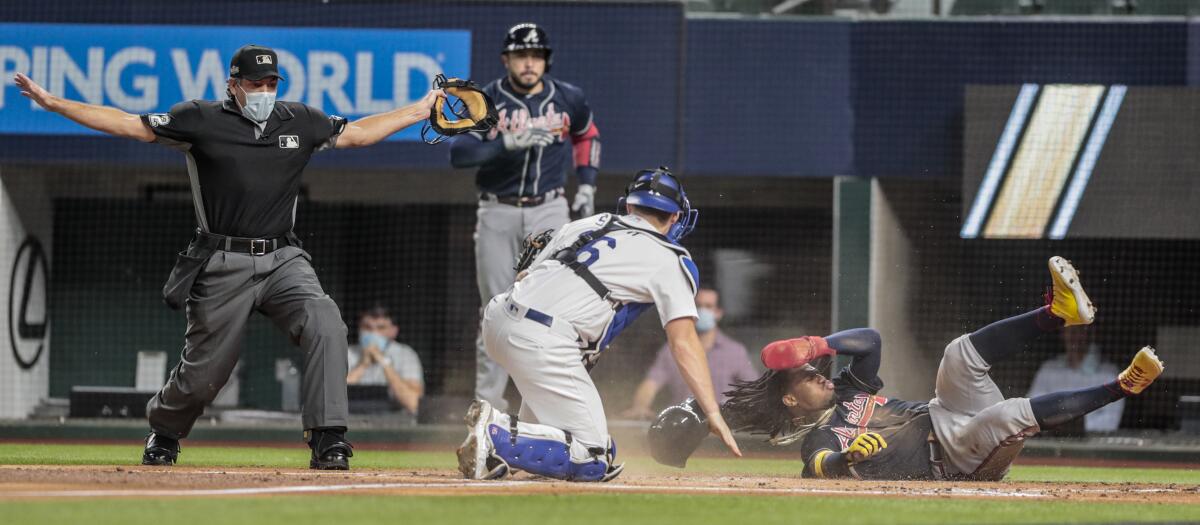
point(756, 406)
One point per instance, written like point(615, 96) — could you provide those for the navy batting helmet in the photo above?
point(661, 190)
point(527, 36)
point(677, 433)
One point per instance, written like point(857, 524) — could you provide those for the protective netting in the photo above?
point(1143, 289)
point(392, 225)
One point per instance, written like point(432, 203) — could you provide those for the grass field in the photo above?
point(576, 504)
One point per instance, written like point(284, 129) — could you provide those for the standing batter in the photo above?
point(593, 278)
point(545, 128)
point(245, 156)
point(967, 431)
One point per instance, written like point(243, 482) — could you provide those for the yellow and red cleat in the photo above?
point(1068, 300)
point(1145, 368)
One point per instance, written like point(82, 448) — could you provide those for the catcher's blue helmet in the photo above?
point(661, 190)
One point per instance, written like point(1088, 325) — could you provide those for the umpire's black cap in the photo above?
point(253, 62)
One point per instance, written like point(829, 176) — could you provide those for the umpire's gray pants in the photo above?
point(498, 234)
point(281, 285)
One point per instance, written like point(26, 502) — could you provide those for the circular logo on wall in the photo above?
point(27, 303)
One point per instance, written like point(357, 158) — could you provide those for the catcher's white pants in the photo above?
point(970, 416)
point(544, 363)
point(499, 230)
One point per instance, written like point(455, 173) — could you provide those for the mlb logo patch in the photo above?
point(263, 59)
point(159, 119)
point(289, 141)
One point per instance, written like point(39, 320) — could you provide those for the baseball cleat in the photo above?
point(1145, 368)
point(612, 472)
point(160, 450)
point(1068, 300)
point(475, 458)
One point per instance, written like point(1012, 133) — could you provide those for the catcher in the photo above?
point(846, 430)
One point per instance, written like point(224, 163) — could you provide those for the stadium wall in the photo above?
point(718, 96)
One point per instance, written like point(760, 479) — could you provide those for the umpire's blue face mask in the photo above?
point(259, 104)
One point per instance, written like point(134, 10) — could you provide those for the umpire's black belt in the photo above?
point(526, 201)
point(242, 244)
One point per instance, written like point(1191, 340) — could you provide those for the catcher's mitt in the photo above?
point(531, 247)
point(473, 108)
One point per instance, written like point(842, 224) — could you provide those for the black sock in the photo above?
point(321, 437)
point(1004, 338)
point(1057, 408)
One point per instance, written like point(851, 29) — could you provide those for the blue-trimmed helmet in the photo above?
point(661, 190)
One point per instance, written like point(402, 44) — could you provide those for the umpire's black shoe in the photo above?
point(330, 450)
point(160, 450)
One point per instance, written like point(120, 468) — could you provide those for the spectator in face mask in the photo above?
point(727, 361)
point(378, 359)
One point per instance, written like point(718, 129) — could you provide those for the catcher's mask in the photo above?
point(474, 110)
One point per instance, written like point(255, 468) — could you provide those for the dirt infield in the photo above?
point(38, 482)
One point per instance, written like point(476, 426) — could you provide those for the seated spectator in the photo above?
point(378, 359)
point(1080, 366)
point(727, 362)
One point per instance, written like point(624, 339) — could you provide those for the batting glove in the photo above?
point(527, 138)
point(585, 200)
point(864, 446)
point(794, 353)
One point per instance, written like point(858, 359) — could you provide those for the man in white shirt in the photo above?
point(378, 359)
point(595, 276)
point(1080, 366)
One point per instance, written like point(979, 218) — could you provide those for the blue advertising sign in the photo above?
point(149, 68)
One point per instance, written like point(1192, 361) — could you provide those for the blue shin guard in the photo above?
point(550, 457)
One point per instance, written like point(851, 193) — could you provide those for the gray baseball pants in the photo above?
point(970, 416)
point(498, 234)
point(281, 285)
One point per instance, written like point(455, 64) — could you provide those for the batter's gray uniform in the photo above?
point(969, 414)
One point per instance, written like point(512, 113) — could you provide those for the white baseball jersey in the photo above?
point(638, 265)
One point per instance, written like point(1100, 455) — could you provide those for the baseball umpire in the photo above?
point(545, 127)
point(245, 156)
point(593, 278)
point(967, 431)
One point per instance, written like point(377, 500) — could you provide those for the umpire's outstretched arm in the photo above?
point(104, 119)
point(375, 128)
